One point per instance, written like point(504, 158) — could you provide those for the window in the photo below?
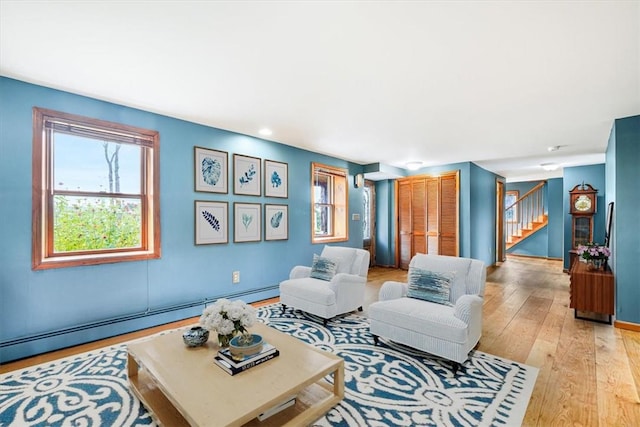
point(329, 194)
point(95, 191)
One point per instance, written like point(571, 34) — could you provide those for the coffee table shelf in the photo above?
point(182, 386)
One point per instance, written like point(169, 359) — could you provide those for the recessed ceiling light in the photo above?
point(553, 148)
point(414, 165)
point(550, 166)
point(265, 132)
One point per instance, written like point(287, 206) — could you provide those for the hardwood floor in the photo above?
point(589, 372)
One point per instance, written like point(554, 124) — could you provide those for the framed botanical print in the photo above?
point(246, 223)
point(276, 222)
point(211, 170)
point(276, 179)
point(246, 175)
point(211, 222)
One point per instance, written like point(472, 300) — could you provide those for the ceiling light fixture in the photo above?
point(265, 132)
point(549, 166)
point(553, 148)
point(414, 165)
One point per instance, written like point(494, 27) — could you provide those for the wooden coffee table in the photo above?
point(183, 386)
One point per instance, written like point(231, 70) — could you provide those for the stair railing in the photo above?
point(525, 211)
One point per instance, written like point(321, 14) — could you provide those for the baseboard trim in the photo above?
point(626, 325)
point(535, 256)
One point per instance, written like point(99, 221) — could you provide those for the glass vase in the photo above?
point(598, 263)
point(223, 340)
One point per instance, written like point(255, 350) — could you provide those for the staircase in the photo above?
point(526, 216)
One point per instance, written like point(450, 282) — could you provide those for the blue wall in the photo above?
point(594, 175)
point(385, 223)
point(555, 214)
point(49, 309)
point(483, 214)
point(623, 178)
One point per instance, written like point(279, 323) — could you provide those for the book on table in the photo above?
point(290, 401)
point(224, 360)
point(225, 353)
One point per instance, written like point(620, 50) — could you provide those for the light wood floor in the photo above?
point(589, 372)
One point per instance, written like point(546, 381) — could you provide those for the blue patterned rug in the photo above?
point(386, 385)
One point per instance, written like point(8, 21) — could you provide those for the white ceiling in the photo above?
point(495, 83)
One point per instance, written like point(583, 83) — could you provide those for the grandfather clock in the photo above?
point(582, 207)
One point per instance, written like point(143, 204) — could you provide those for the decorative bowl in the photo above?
point(195, 336)
point(240, 347)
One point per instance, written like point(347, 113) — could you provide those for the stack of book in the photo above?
point(233, 366)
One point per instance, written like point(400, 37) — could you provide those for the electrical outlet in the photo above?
point(235, 277)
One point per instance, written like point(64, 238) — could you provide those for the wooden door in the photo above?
point(449, 215)
point(418, 217)
point(369, 220)
point(404, 234)
point(427, 212)
point(500, 240)
point(433, 216)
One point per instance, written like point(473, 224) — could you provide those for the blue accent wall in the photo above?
point(48, 309)
point(555, 214)
point(623, 177)
point(483, 214)
point(385, 223)
point(594, 175)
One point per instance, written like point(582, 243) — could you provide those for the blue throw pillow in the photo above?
point(430, 285)
point(323, 268)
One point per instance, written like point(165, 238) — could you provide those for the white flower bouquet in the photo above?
point(228, 318)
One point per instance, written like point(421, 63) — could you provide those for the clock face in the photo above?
point(582, 203)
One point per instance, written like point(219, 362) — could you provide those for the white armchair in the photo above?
point(450, 329)
point(344, 292)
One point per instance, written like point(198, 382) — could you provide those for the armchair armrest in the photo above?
point(393, 290)
point(468, 308)
point(299, 272)
point(349, 290)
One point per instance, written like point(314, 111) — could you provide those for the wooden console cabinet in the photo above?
point(591, 290)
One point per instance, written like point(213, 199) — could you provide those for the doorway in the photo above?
point(369, 220)
point(500, 239)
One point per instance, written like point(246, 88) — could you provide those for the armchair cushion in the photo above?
point(430, 285)
point(343, 257)
point(323, 268)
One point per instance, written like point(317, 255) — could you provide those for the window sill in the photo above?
point(81, 260)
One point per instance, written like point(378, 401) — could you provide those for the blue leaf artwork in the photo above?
point(212, 220)
point(246, 220)
point(248, 175)
point(211, 170)
point(275, 180)
point(275, 219)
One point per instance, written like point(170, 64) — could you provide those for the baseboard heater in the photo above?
point(129, 317)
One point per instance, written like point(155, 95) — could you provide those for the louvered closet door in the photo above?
point(433, 223)
point(404, 223)
point(427, 216)
point(418, 217)
point(449, 215)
